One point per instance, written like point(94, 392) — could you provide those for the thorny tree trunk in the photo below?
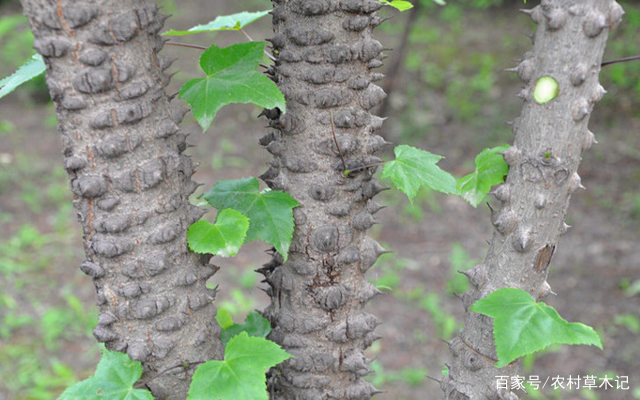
point(131, 183)
point(568, 46)
point(325, 54)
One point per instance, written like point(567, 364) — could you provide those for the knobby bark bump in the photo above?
point(131, 182)
point(568, 47)
point(325, 55)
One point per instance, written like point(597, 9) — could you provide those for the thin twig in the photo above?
point(192, 46)
point(633, 58)
point(333, 132)
point(394, 71)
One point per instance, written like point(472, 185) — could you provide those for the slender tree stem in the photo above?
point(395, 66)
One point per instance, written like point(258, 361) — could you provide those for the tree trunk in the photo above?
point(131, 183)
point(568, 46)
point(325, 54)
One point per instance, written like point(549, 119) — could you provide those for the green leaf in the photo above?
point(223, 238)
point(413, 168)
point(255, 325)
point(490, 171)
point(231, 77)
point(224, 318)
point(28, 71)
point(270, 212)
point(521, 326)
point(401, 5)
point(240, 376)
point(223, 23)
point(114, 379)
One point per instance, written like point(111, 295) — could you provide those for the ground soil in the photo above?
point(591, 264)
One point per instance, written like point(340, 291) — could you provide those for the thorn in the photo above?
point(515, 69)
point(171, 75)
point(553, 293)
point(526, 11)
point(522, 94)
point(491, 208)
point(434, 379)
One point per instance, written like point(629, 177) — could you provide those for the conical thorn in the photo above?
point(435, 379)
point(491, 208)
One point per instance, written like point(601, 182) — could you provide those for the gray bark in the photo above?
point(325, 55)
point(568, 46)
point(131, 183)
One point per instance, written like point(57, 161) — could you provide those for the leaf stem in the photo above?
point(191, 46)
point(620, 60)
point(245, 34)
point(185, 365)
point(368, 166)
point(272, 58)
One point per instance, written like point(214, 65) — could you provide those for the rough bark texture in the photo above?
point(325, 55)
point(568, 46)
point(131, 183)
